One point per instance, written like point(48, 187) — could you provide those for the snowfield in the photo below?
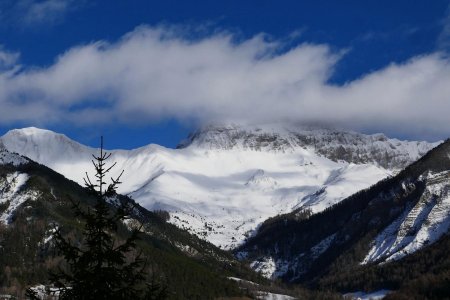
point(224, 181)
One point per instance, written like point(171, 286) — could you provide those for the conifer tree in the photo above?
point(99, 266)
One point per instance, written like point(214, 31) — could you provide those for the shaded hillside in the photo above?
point(424, 274)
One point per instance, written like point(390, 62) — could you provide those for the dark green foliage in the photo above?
point(100, 268)
point(422, 275)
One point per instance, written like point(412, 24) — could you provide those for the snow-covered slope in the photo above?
point(12, 197)
point(224, 181)
point(421, 224)
point(11, 194)
point(7, 157)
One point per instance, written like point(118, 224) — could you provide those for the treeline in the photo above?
point(422, 275)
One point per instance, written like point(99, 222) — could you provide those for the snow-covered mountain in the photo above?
point(223, 181)
point(34, 198)
point(334, 144)
point(394, 218)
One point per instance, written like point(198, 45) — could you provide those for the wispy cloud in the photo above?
point(36, 12)
point(156, 73)
point(443, 42)
point(8, 59)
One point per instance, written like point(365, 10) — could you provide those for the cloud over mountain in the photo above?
point(154, 73)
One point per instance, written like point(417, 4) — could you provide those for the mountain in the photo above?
point(331, 143)
point(390, 236)
point(33, 198)
point(224, 181)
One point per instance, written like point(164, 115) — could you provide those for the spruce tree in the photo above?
point(99, 266)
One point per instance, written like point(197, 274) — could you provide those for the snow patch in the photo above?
point(270, 268)
point(262, 294)
point(322, 246)
point(420, 225)
point(43, 291)
point(10, 185)
point(7, 157)
point(367, 296)
point(12, 196)
point(186, 249)
point(48, 236)
point(240, 280)
point(265, 266)
point(271, 296)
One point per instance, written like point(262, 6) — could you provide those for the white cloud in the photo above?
point(155, 73)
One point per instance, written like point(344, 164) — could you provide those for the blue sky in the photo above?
point(144, 72)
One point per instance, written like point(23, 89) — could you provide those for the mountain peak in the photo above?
point(30, 131)
point(272, 136)
point(332, 143)
point(34, 134)
point(41, 145)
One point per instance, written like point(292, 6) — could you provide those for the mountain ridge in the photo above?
point(327, 141)
point(230, 179)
